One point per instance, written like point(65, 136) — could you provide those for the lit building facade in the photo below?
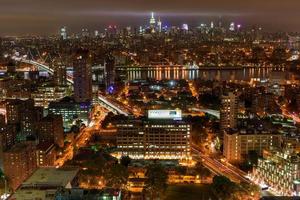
point(50, 129)
point(82, 76)
point(45, 154)
point(24, 114)
point(19, 164)
point(70, 111)
point(60, 72)
point(228, 111)
point(154, 139)
point(44, 95)
point(280, 170)
point(109, 72)
point(63, 33)
point(237, 144)
point(152, 21)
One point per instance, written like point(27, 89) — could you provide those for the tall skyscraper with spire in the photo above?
point(159, 24)
point(152, 22)
point(152, 19)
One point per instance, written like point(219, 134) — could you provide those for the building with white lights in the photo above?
point(280, 171)
point(71, 112)
point(162, 136)
point(63, 33)
point(232, 26)
point(46, 94)
point(152, 23)
point(159, 25)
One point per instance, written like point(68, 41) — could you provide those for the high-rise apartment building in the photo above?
point(60, 73)
point(228, 111)
point(7, 139)
point(50, 129)
point(110, 72)
point(19, 163)
point(63, 33)
point(14, 111)
point(45, 154)
point(24, 114)
point(82, 76)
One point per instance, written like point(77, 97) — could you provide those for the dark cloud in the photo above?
point(45, 17)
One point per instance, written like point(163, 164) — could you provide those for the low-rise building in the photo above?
point(45, 182)
point(88, 194)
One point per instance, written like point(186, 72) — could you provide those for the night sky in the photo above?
point(19, 17)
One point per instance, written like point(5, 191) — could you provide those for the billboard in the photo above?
point(165, 114)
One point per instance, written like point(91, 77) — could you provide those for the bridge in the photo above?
point(113, 107)
point(215, 113)
point(102, 100)
point(42, 67)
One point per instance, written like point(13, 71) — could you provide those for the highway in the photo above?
point(114, 105)
point(220, 168)
point(110, 104)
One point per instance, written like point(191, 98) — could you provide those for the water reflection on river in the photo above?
point(238, 74)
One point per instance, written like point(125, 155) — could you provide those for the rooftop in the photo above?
point(30, 194)
point(50, 176)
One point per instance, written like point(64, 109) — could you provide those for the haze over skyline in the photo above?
point(19, 17)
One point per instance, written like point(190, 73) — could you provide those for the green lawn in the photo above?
point(189, 192)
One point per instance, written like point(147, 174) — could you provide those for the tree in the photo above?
point(251, 189)
point(224, 187)
point(156, 182)
point(181, 170)
point(125, 161)
point(116, 176)
point(201, 170)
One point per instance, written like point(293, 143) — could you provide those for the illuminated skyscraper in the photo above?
point(152, 22)
point(229, 110)
point(85, 32)
point(232, 26)
point(141, 30)
point(96, 33)
point(185, 27)
point(82, 76)
point(60, 73)
point(63, 33)
point(159, 24)
point(109, 73)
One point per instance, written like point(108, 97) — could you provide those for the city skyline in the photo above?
point(135, 100)
point(32, 17)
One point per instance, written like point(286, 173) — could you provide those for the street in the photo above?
point(83, 137)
